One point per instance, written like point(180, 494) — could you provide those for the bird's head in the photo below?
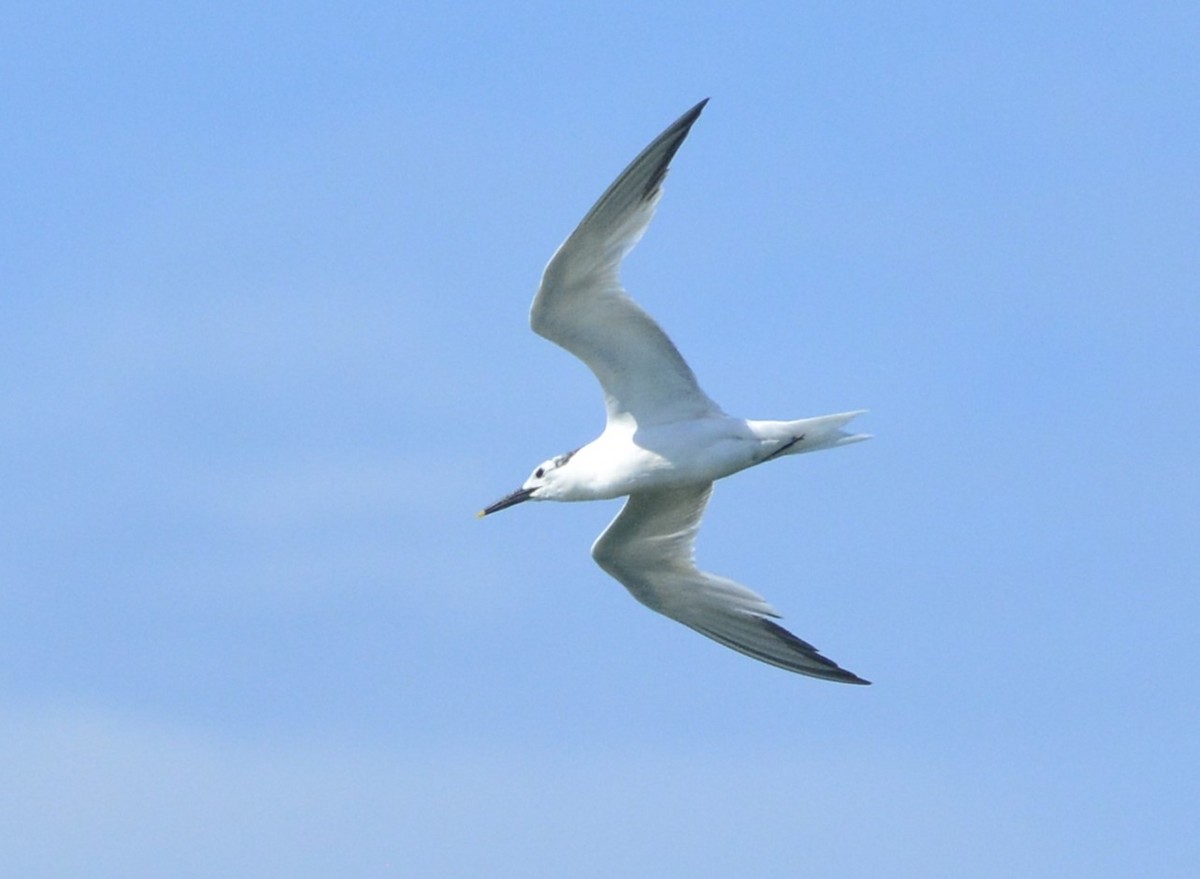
point(547, 482)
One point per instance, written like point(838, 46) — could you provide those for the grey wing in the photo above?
point(650, 549)
point(582, 306)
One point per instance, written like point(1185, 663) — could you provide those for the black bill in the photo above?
point(521, 494)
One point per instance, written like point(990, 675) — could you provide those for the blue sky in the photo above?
point(264, 353)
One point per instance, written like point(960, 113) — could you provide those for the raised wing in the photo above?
point(650, 548)
point(582, 307)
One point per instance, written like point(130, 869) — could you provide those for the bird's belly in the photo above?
point(680, 454)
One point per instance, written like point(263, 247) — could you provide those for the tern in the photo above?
point(665, 441)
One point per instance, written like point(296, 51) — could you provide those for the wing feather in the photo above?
point(650, 549)
point(582, 307)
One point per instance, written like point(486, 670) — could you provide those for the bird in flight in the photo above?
point(665, 441)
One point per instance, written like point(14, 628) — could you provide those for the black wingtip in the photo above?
point(685, 122)
point(673, 138)
point(829, 670)
point(841, 676)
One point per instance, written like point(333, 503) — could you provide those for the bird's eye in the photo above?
point(540, 473)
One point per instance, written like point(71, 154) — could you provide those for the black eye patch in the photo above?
point(539, 473)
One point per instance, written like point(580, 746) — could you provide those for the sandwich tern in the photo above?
point(665, 441)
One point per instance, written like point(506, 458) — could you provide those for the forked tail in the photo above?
point(807, 434)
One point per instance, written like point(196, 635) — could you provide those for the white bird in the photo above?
point(665, 440)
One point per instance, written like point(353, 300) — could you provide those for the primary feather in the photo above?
point(650, 549)
point(582, 306)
